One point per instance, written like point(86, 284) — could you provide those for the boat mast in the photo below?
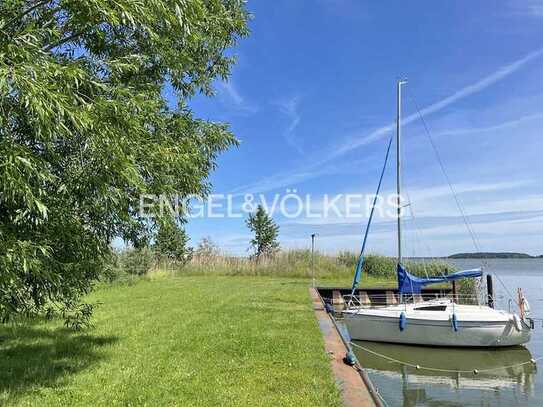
point(398, 167)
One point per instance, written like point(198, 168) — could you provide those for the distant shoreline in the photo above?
point(493, 255)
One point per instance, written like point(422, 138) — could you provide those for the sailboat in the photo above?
point(431, 322)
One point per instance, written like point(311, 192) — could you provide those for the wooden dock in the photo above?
point(354, 386)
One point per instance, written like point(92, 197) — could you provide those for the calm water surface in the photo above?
point(505, 386)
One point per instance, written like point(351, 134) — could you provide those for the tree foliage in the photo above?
point(133, 261)
point(265, 232)
point(172, 242)
point(85, 130)
point(206, 249)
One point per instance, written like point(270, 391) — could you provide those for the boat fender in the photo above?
point(526, 306)
point(329, 308)
point(349, 359)
point(518, 324)
point(454, 322)
point(403, 321)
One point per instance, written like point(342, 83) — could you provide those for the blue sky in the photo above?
point(312, 99)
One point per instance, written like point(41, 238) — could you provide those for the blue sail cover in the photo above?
point(410, 284)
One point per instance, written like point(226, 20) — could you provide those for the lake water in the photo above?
point(505, 386)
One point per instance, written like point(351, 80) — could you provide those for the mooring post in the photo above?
point(313, 259)
point(489, 291)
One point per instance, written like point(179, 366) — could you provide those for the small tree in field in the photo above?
point(266, 231)
point(171, 242)
point(206, 250)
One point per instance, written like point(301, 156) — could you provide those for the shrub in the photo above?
point(136, 261)
point(347, 259)
point(380, 266)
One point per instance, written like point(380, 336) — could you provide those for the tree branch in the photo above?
point(26, 12)
point(64, 40)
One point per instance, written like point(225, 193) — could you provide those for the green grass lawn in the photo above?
point(170, 340)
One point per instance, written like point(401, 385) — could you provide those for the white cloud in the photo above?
point(232, 92)
point(231, 96)
point(528, 7)
point(315, 169)
point(430, 236)
point(426, 201)
point(494, 128)
point(288, 179)
point(439, 191)
point(278, 181)
point(476, 87)
point(289, 107)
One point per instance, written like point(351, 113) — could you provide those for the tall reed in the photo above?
point(298, 263)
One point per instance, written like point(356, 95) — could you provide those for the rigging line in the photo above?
point(417, 238)
point(511, 296)
point(419, 235)
point(442, 166)
point(436, 369)
point(419, 230)
point(360, 261)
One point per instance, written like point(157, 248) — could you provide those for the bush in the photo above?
point(380, 266)
point(347, 259)
point(136, 261)
point(467, 291)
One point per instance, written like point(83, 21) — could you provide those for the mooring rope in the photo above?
point(381, 398)
point(435, 369)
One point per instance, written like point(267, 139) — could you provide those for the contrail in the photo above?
point(478, 86)
point(303, 174)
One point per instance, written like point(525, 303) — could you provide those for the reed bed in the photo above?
point(300, 264)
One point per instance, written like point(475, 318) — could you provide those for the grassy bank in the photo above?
point(329, 270)
point(292, 264)
point(170, 340)
point(216, 331)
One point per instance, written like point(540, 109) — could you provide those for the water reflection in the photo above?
point(506, 377)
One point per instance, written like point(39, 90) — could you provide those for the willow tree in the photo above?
point(85, 130)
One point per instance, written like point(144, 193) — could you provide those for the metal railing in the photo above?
point(393, 298)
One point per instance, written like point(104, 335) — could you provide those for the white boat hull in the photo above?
point(494, 329)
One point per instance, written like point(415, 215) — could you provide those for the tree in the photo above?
point(207, 250)
point(85, 130)
point(266, 231)
point(171, 242)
